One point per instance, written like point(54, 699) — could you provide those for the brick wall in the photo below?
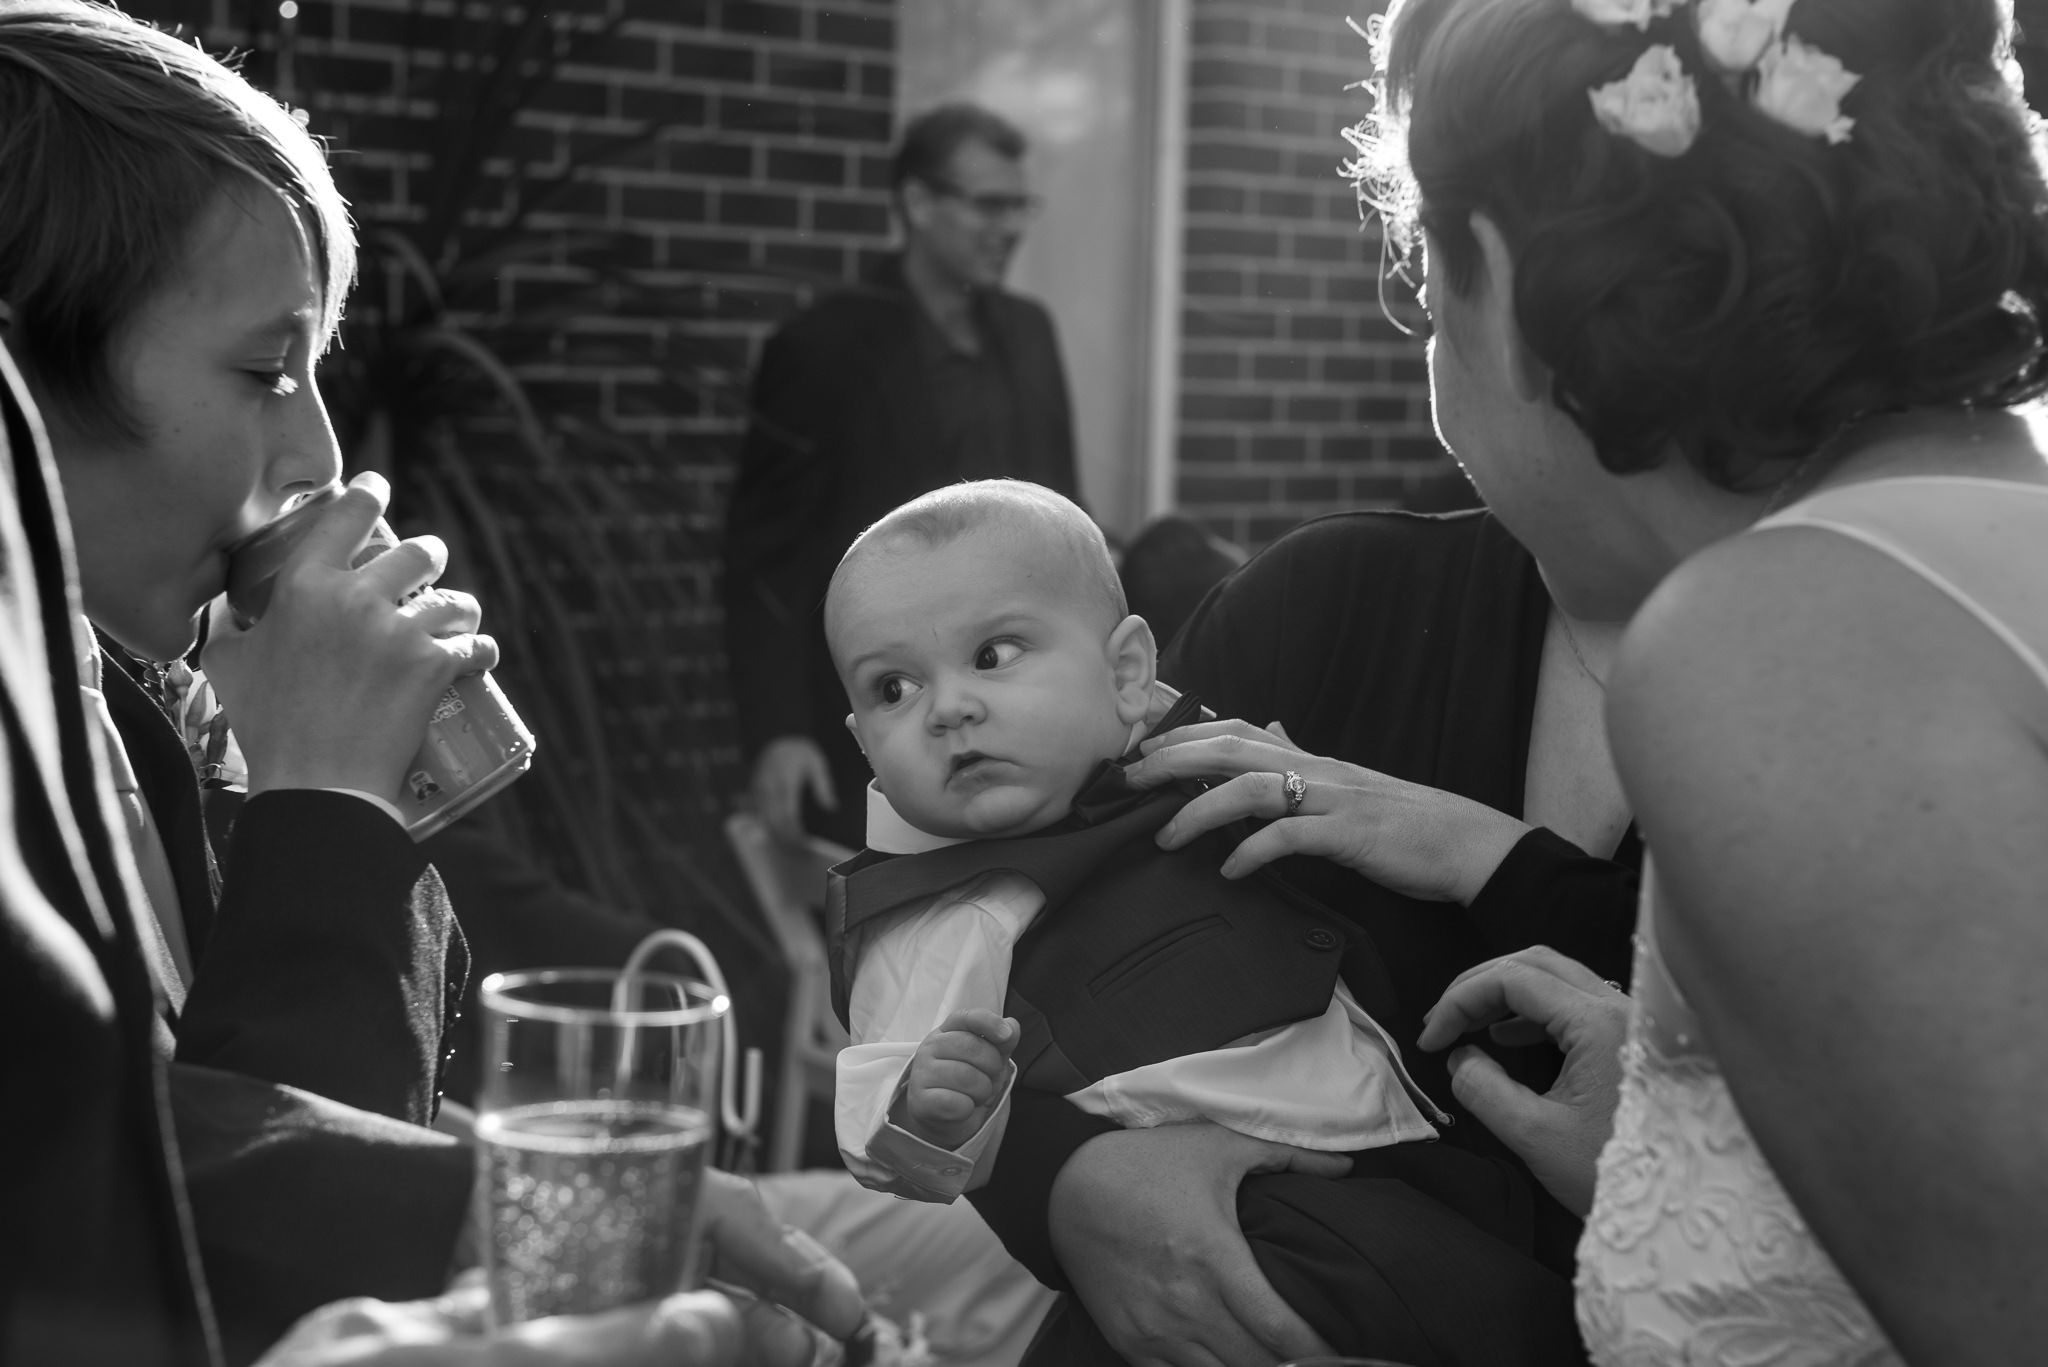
point(1297, 398)
point(769, 184)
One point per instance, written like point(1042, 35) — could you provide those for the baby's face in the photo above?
point(982, 682)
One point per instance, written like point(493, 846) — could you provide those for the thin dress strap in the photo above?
point(1982, 542)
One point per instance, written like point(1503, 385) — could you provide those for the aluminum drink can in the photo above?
point(475, 743)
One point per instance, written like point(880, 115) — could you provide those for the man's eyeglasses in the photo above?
point(990, 206)
point(1403, 308)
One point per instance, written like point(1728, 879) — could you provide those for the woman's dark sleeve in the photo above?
point(1044, 1131)
point(1548, 891)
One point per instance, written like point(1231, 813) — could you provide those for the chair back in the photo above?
point(788, 882)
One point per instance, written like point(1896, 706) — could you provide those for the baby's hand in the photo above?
point(955, 1076)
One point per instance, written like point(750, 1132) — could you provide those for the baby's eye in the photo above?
point(996, 654)
point(895, 689)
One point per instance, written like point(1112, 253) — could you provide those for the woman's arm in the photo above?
point(1548, 891)
point(1416, 840)
point(1842, 776)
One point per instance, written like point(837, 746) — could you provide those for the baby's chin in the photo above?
point(999, 814)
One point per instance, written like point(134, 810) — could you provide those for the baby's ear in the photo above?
point(1134, 662)
point(853, 729)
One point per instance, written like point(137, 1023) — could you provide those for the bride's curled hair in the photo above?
point(1744, 301)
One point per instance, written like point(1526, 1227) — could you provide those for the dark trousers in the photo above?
point(1422, 1255)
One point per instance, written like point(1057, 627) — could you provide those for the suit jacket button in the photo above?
point(1320, 938)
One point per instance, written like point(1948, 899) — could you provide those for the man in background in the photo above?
point(929, 374)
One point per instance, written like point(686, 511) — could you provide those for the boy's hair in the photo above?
point(929, 141)
point(115, 139)
point(945, 515)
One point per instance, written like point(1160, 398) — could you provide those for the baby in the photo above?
point(1012, 921)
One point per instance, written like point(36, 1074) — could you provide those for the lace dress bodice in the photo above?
point(1694, 1254)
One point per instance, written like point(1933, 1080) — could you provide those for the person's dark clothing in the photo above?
point(149, 1199)
point(1169, 568)
point(516, 915)
point(99, 1263)
point(861, 404)
point(1409, 645)
point(1419, 1255)
point(331, 969)
point(326, 954)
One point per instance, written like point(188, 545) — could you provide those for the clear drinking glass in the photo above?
point(595, 1118)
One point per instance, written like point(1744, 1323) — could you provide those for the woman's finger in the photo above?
point(1544, 959)
point(1516, 1033)
point(1569, 969)
point(1277, 840)
point(786, 1265)
point(1261, 794)
point(1512, 986)
point(1201, 730)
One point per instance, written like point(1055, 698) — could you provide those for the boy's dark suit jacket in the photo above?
point(121, 1163)
point(331, 964)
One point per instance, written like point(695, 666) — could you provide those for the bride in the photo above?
point(1735, 307)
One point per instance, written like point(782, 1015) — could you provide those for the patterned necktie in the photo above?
point(171, 955)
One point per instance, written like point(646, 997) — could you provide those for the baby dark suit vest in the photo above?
point(1140, 954)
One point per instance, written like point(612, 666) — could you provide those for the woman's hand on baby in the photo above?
point(1144, 1223)
point(957, 1075)
point(1521, 998)
point(333, 688)
point(1419, 841)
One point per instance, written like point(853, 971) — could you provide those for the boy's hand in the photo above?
point(956, 1075)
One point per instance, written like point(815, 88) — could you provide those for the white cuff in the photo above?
point(941, 1174)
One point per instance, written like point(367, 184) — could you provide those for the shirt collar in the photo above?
point(889, 832)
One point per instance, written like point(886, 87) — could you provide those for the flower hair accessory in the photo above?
point(1735, 33)
point(1802, 87)
point(1744, 41)
point(1656, 106)
point(1613, 13)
